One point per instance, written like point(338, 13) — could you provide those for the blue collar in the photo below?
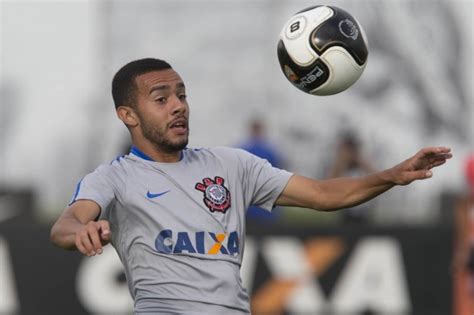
point(139, 153)
point(142, 155)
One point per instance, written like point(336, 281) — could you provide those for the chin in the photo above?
point(178, 145)
point(183, 145)
point(183, 142)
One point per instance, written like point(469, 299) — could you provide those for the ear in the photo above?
point(128, 116)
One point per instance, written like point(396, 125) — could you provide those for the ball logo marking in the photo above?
point(311, 77)
point(348, 29)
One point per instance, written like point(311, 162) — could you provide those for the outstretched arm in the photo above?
point(345, 192)
point(76, 229)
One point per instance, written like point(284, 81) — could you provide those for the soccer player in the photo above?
point(176, 215)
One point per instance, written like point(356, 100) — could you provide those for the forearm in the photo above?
point(346, 192)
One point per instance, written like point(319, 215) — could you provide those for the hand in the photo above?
point(419, 166)
point(92, 237)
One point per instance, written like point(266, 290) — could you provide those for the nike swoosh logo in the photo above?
point(151, 195)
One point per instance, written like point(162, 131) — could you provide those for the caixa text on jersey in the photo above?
point(207, 243)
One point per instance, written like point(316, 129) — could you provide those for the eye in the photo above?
point(161, 100)
point(182, 97)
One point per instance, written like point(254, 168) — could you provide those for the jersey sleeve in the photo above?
point(263, 183)
point(99, 186)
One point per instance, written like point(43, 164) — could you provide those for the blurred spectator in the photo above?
point(463, 260)
point(258, 144)
point(350, 162)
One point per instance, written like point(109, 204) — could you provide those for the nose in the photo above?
point(179, 106)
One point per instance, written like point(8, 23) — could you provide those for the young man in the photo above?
point(176, 216)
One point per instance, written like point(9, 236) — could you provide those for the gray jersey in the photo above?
point(179, 228)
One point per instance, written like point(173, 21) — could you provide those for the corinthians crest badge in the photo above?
point(216, 195)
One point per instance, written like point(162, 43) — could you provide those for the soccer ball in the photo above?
point(322, 50)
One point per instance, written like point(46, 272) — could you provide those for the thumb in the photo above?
point(104, 230)
point(417, 175)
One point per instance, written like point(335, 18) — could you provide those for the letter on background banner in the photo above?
point(97, 286)
point(373, 279)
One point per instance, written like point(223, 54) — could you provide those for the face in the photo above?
point(162, 110)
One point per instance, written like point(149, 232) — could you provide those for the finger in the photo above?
point(104, 230)
point(89, 248)
point(435, 160)
point(445, 149)
point(434, 150)
point(437, 163)
point(444, 156)
point(105, 238)
point(442, 149)
point(95, 239)
point(80, 247)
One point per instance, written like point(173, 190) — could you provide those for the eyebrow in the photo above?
point(165, 87)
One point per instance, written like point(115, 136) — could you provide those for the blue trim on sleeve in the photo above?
point(78, 187)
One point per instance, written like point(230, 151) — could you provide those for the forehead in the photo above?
point(167, 77)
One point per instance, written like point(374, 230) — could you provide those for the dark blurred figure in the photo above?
point(350, 162)
point(463, 260)
point(257, 143)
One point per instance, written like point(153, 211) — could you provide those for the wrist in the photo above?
point(386, 177)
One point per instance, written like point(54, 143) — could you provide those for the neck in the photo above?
point(149, 151)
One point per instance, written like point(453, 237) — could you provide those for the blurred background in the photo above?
point(394, 255)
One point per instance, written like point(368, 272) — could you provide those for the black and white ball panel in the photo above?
point(299, 29)
point(306, 78)
point(341, 29)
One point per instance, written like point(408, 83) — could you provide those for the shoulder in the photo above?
point(115, 170)
point(220, 153)
point(231, 152)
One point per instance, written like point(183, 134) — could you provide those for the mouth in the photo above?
point(179, 125)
